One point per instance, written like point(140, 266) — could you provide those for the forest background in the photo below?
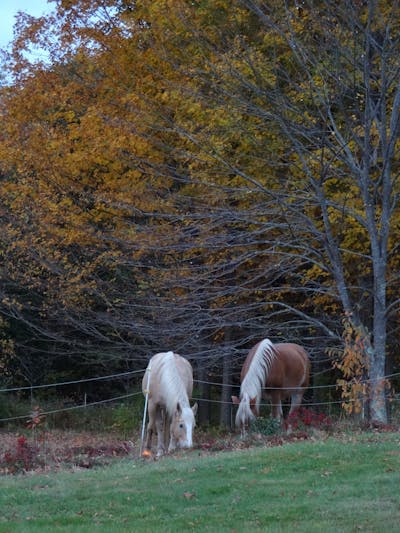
point(196, 176)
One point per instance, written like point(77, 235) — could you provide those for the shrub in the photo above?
point(22, 458)
point(265, 426)
point(304, 418)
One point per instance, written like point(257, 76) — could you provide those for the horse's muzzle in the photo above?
point(185, 443)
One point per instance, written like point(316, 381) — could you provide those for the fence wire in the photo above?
point(133, 372)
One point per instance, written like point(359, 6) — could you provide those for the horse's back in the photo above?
point(186, 372)
point(156, 368)
point(291, 366)
point(152, 371)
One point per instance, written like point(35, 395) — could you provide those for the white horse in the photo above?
point(169, 378)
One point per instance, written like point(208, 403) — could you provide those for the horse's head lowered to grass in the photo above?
point(247, 411)
point(182, 426)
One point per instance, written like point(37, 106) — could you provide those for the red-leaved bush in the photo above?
point(52, 452)
point(304, 418)
point(22, 458)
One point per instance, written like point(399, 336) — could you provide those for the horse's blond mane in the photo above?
point(257, 372)
point(172, 386)
point(244, 413)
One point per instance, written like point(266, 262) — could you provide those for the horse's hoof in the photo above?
point(146, 453)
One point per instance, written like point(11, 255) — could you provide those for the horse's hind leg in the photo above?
point(295, 401)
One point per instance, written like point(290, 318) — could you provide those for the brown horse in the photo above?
point(284, 369)
point(168, 380)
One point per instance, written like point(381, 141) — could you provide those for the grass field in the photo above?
point(341, 485)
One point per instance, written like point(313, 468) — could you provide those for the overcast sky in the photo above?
point(8, 10)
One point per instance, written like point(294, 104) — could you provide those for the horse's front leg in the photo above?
point(172, 442)
point(160, 424)
point(276, 405)
point(150, 426)
point(169, 437)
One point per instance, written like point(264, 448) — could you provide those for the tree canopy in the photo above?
point(197, 176)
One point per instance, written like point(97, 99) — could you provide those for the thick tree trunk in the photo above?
point(377, 359)
point(378, 410)
point(203, 413)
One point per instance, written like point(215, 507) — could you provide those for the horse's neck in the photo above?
point(172, 401)
point(260, 362)
point(181, 397)
point(173, 387)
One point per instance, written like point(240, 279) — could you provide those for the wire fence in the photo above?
point(141, 371)
point(73, 407)
point(75, 382)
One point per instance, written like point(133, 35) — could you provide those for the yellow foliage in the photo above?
point(353, 363)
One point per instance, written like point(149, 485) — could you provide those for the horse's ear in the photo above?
point(178, 408)
point(235, 400)
point(194, 409)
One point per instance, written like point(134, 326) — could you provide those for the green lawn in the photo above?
point(351, 484)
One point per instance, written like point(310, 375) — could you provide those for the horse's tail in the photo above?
point(244, 413)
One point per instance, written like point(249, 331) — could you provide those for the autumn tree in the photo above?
point(199, 175)
point(72, 145)
point(322, 77)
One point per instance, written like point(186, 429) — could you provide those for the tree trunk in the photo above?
point(203, 413)
point(226, 404)
point(377, 359)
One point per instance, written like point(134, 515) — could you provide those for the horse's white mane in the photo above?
point(174, 389)
point(244, 413)
point(257, 372)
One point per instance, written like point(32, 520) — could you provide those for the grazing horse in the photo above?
point(284, 369)
point(169, 389)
